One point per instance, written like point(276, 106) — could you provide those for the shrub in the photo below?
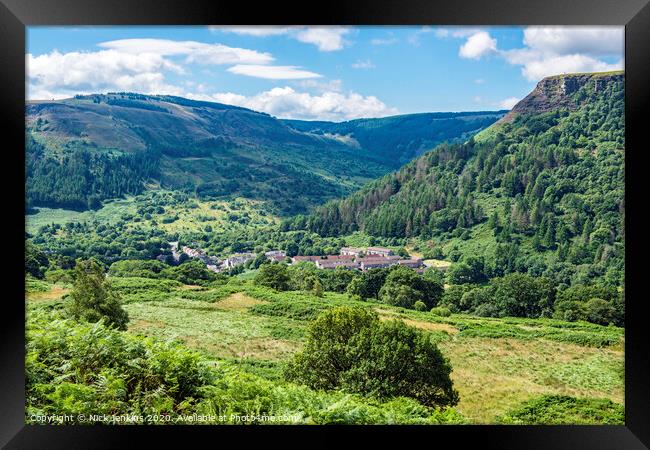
point(74, 368)
point(419, 306)
point(350, 349)
point(189, 272)
point(562, 409)
point(441, 311)
point(92, 297)
point(273, 275)
point(403, 287)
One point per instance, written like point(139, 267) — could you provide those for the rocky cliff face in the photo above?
point(559, 91)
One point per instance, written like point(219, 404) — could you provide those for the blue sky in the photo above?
point(318, 73)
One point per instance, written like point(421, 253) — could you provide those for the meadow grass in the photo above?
point(498, 364)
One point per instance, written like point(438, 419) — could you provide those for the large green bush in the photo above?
point(562, 409)
point(93, 299)
point(404, 287)
point(350, 349)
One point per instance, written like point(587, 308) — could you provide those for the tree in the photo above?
point(368, 284)
point(93, 298)
point(350, 349)
point(273, 275)
point(35, 260)
point(520, 295)
point(403, 287)
point(317, 288)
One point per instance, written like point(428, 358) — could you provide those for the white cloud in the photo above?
point(384, 41)
point(535, 69)
point(326, 38)
point(445, 32)
point(321, 86)
point(414, 39)
point(550, 50)
point(253, 30)
point(508, 103)
point(195, 52)
point(285, 102)
point(363, 64)
point(58, 75)
point(558, 50)
point(272, 72)
point(479, 81)
point(594, 41)
point(477, 45)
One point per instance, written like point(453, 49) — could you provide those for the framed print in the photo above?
point(375, 219)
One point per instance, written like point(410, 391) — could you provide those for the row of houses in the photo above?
point(214, 264)
point(360, 252)
point(359, 261)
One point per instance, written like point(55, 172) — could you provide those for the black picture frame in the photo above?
point(15, 15)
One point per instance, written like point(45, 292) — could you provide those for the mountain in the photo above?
point(83, 150)
point(543, 185)
point(398, 139)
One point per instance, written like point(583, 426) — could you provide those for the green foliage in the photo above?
point(92, 297)
point(36, 261)
point(561, 409)
point(273, 275)
point(79, 368)
point(440, 311)
point(521, 295)
point(404, 287)
point(189, 272)
point(350, 349)
point(420, 306)
point(548, 186)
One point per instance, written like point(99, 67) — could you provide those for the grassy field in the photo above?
point(498, 364)
point(187, 216)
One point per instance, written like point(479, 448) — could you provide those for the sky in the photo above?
point(316, 72)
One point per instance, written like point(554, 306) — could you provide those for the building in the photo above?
point(237, 259)
point(413, 263)
point(381, 251)
point(375, 263)
point(351, 251)
point(327, 264)
point(310, 258)
point(276, 255)
point(340, 257)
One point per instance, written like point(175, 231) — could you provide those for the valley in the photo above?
point(506, 228)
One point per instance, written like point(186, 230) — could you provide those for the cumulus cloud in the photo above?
point(508, 103)
point(536, 67)
point(326, 38)
point(593, 41)
point(557, 50)
point(195, 52)
point(363, 64)
point(272, 72)
point(477, 45)
point(286, 102)
point(550, 50)
point(58, 75)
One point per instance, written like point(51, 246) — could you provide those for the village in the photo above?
point(350, 258)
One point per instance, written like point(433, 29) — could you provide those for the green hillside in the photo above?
point(399, 139)
point(541, 191)
point(84, 150)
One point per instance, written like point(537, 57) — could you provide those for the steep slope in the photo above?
point(546, 180)
point(89, 148)
point(398, 139)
